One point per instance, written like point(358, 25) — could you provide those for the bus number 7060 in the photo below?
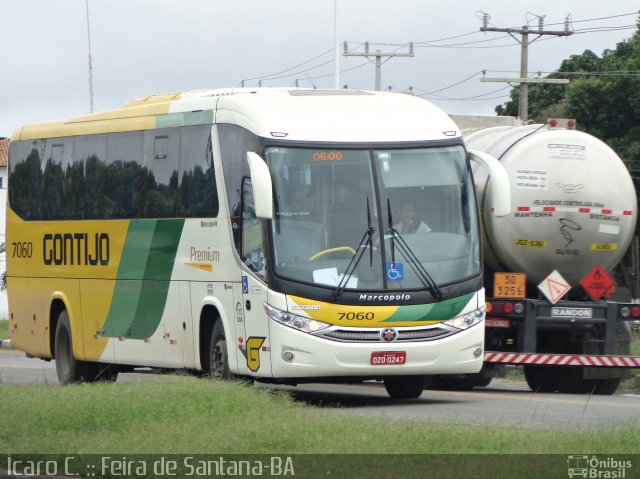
point(22, 249)
point(360, 316)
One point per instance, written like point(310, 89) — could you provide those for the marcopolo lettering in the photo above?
point(76, 249)
point(384, 297)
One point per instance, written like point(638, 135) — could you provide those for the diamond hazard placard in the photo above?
point(597, 282)
point(554, 287)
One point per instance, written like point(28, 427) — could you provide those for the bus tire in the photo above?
point(404, 387)
point(68, 368)
point(218, 355)
point(106, 373)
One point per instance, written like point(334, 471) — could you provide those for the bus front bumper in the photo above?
point(297, 354)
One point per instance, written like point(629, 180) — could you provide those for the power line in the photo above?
point(446, 38)
point(605, 29)
point(597, 73)
point(427, 41)
point(426, 44)
point(481, 97)
point(454, 84)
point(364, 64)
point(599, 18)
point(474, 97)
point(464, 44)
point(267, 77)
point(302, 72)
point(476, 44)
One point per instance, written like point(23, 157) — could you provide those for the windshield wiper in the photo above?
point(406, 251)
point(365, 243)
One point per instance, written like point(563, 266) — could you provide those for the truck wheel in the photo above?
point(606, 387)
point(68, 368)
point(541, 379)
point(404, 387)
point(572, 382)
point(218, 356)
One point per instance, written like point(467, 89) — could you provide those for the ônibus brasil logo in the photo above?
point(597, 467)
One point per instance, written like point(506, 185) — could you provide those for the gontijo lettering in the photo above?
point(81, 249)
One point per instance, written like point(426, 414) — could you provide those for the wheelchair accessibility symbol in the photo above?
point(395, 271)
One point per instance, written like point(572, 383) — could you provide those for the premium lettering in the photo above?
point(212, 256)
point(76, 249)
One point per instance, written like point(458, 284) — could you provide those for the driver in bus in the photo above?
point(408, 222)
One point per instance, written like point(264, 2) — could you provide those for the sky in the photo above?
point(142, 47)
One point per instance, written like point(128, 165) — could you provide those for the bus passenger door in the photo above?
point(254, 356)
point(249, 303)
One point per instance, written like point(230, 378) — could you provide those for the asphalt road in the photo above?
point(504, 402)
point(17, 368)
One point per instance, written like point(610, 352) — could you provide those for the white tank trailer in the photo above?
point(573, 206)
point(573, 202)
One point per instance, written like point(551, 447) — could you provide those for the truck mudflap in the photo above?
point(603, 361)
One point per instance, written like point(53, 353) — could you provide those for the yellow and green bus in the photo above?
point(251, 233)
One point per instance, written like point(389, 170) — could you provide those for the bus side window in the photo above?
point(252, 246)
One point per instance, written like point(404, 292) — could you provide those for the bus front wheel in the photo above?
point(68, 368)
point(404, 387)
point(218, 356)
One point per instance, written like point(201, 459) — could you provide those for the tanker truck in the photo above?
point(549, 263)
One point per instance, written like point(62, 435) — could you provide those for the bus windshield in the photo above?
point(412, 210)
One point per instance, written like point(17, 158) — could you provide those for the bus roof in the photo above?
point(291, 113)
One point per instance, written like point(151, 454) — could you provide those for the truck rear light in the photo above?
point(630, 312)
point(505, 307)
point(568, 123)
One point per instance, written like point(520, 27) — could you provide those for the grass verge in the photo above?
point(196, 416)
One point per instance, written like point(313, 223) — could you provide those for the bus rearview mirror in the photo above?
point(262, 186)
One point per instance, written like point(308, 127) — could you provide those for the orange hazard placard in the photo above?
point(509, 285)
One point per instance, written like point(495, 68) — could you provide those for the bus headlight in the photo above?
point(467, 320)
point(308, 325)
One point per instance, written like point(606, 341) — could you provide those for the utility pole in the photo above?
point(336, 49)
point(378, 55)
point(524, 80)
point(90, 64)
